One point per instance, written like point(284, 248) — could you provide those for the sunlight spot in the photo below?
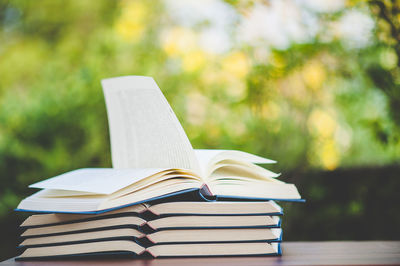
point(237, 64)
point(270, 111)
point(131, 24)
point(314, 75)
point(329, 155)
point(193, 61)
point(321, 123)
point(177, 41)
point(388, 58)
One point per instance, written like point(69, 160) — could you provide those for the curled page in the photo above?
point(144, 131)
point(207, 158)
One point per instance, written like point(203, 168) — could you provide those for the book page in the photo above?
point(39, 203)
point(207, 158)
point(215, 249)
point(96, 180)
point(144, 131)
point(84, 248)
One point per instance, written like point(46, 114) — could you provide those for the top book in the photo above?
point(152, 159)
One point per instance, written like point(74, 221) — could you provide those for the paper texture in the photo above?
point(207, 158)
point(144, 131)
point(96, 180)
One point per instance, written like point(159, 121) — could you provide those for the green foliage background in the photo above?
point(328, 113)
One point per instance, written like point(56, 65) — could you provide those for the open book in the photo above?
point(93, 190)
point(153, 159)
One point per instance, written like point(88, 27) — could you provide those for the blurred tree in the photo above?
point(386, 77)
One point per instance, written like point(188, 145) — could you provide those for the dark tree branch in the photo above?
point(390, 17)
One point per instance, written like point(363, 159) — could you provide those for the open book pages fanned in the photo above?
point(89, 190)
point(194, 228)
point(153, 159)
point(144, 130)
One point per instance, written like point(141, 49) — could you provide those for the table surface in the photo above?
point(294, 253)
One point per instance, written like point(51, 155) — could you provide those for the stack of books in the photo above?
point(161, 230)
point(162, 198)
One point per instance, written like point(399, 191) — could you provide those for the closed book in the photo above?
point(133, 249)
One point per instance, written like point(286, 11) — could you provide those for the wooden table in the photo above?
point(294, 253)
